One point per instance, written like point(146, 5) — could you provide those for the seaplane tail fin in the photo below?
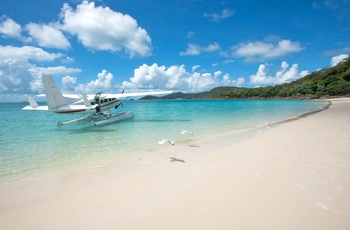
point(86, 101)
point(32, 102)
point(54, 96)
point(33, 105)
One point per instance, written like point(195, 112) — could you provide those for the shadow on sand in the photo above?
point(173, 159)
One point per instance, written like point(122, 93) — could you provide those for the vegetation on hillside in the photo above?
point(330, 82)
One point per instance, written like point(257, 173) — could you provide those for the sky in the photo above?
point(179, 45)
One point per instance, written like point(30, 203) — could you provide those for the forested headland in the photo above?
point(325, 83)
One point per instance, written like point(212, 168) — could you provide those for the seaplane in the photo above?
point(93, 108)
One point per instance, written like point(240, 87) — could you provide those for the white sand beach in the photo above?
point(294, 175)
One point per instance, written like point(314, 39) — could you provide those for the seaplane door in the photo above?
point(97, 98)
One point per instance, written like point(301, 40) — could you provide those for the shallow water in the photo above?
point(31, 141)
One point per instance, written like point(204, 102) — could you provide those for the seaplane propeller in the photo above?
point(121, 104)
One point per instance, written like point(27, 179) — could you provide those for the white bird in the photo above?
point(163, 141)
point(268, 124)
point(185, 131)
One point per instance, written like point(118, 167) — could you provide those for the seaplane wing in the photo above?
point(118, 95)
point(138, 94)
point(92, 107)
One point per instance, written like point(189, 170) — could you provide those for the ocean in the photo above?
point(31, 144)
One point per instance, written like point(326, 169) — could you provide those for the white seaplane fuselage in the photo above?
point(90, 106)
point(94, 107)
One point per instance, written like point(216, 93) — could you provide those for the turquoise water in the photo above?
point(31, 141)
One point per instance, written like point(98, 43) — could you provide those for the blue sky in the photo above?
point(180, 45)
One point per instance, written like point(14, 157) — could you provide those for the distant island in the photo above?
point(326, 83)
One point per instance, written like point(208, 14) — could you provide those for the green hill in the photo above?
point(212, 94)
point(326, 83)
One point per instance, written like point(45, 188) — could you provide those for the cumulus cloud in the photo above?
point(17, 72)
point(194, 49)
point(226, 80)
point(96, 27)
point(175, 78)
point(336, 59)
point(103, 82)
point(10, 28)
point(100, 28)
point(11, 75)
point(260, 50)
point(47, 36)
point(225, 13)
point(37, 72)
point(68, 83)
point(283, 75)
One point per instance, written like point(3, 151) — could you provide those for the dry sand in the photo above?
point(294, 175)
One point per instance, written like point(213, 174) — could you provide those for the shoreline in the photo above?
point(239, 134)
point(294, 175)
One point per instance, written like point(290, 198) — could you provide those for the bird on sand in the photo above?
point(183, 131)
point(163, 141)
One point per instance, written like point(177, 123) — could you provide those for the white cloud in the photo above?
point(100, 28)
point(225, 13)
point(47, 36)
point(336, 59)
point(14, 77)
point(19, 75)
point(211, 48)
point(194, 49)
point(103, 82)
point(175, 78)
point(240, 82)
point(37, 72)
point(258, 51)
point(10, 28)
point(27, 53)
point(68, 83)
point(217, 73)
point(58, 70)
point(195, 67)
point(226, 80)
point(283, 75)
